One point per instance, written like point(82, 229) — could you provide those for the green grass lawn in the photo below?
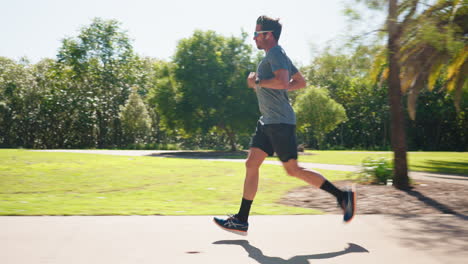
point(40, 183)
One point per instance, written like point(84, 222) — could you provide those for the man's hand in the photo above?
point(251, 79)
point(280, 81)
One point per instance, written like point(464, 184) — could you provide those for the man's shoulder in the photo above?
point(277, 52)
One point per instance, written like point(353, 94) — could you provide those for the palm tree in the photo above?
point(398, 135)
point(434, 45)
point(422, 48)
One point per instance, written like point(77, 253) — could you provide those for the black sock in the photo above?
point(330, 188)
point(244, 210)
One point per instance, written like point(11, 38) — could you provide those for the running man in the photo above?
point(275, 132)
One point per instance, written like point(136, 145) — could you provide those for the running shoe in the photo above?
point(232, 224)
point(348, 205)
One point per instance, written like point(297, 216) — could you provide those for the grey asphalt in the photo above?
point(367, 239)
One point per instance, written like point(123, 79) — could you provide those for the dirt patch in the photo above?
point(427, 197)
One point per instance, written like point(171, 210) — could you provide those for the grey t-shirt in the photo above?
point(274, 103)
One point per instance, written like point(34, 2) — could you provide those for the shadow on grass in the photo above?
point(203, 154)
point(449, 167)
point(240, 154)
point(256, 254)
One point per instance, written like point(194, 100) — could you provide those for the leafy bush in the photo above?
point(378, 170)
point(317, 113)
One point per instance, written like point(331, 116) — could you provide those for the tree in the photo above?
point(19, 101)
point(55, 109)
point(161, 99)
point(346, 77)
point(211, 93)
point(438, 126)
point(317, 113)
point(433, 46)
point(13, 82)
point(420, 45)
point(136, 121)
point(398, 135)
point(103, 63)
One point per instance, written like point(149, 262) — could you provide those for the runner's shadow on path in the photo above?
point(256, 254)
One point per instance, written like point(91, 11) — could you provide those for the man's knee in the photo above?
point(255, 158)
point(252, 164)
point(293, 170)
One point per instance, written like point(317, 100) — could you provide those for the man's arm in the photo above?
point(280, 81)
point(297, 82)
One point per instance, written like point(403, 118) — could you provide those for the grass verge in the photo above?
point(39, 183)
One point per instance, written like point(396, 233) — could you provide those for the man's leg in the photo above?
point(311, 177)
point(239, 222)
point(252, 171)
point(346, 199)
point(252, 167)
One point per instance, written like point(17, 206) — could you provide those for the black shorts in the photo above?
point(276, 138)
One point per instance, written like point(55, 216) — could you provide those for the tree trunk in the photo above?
point(231, 137)
point(398, 135)
point(232, 141)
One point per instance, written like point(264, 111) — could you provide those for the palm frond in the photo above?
point(455, 67)
point(378, 65)
point(460, 83)
point(435, 72)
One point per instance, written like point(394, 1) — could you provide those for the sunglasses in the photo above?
point(256, 33)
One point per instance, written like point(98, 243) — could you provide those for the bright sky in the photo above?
point(35, 28)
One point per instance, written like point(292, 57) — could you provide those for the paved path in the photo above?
point(369, 239)
point(438, 177)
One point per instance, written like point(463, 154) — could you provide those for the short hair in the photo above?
point(268, 23)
